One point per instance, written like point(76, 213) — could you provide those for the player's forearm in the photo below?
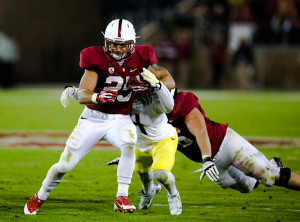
point(85, 96)
point(87, 85)
point(167, 79)
point(203, 143)
point(166, 99)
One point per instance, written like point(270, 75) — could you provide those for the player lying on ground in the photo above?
point(241, 166)
point(105, 91)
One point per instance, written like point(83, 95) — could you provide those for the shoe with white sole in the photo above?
point(175, 204)
point(122, 204)
point(33, 205)
point(146, 200)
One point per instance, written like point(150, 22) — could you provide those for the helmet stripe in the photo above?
point(120, 27)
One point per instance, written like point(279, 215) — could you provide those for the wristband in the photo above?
point(204, 156)
point(158, 86)
point(208, 158)
point(94, 98)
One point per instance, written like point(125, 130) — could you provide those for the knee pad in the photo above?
point(285, 175)
point(66, 162)
point(161, 175)
point(64, 168)
point(167, 179)
point(129, 136)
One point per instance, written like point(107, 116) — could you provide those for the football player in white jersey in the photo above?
point(156, 144)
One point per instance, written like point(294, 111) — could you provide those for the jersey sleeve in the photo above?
point(146, 52)
point(166, 101)
point(152, 56)
point(87, 59)
point(187, 103)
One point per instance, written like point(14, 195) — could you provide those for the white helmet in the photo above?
point(119, 31)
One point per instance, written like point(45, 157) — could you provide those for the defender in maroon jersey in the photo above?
point(105, 88)
point(241, 166)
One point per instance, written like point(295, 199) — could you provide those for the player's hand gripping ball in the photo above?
point(138, 84)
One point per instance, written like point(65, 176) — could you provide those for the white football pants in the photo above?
point(94, 126)
point(241, 164)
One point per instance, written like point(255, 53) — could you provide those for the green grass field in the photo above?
point(87, 193)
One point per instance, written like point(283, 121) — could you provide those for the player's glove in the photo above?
point(108, 96)
point(138, 85)
point(210, 169)
point(145, 98)
point(70, 91)
point(151, 79)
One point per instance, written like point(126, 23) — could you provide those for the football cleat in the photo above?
point(277, 161)
point(122, 204)
point(114, 161)
point(146, 200)
point(175, 204)
point(33, 205)
point(256, 184)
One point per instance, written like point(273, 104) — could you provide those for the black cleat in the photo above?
point(278, 162)
point(256, 184)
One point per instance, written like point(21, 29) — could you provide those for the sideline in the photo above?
point(49, 140)
point(57, 140)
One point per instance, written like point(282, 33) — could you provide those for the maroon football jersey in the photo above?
point(184, 103)
point(112, 76)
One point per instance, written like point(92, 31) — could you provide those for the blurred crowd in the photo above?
point(226, 30)
point(213, 41)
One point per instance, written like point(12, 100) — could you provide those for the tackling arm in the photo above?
point(196, 125)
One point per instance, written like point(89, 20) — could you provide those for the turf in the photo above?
point(88, 192)
point(249, 113)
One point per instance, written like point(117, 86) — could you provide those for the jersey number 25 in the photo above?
point(124, 92)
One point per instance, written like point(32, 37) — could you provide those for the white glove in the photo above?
point(70, 91)
point(151, 79)
point(210, 169)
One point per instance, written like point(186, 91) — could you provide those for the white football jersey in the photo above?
point(151, 120)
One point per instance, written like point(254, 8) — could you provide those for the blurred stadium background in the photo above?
point(205, 44)
point(228, 45)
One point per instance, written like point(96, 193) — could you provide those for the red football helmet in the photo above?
point(119, 31)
